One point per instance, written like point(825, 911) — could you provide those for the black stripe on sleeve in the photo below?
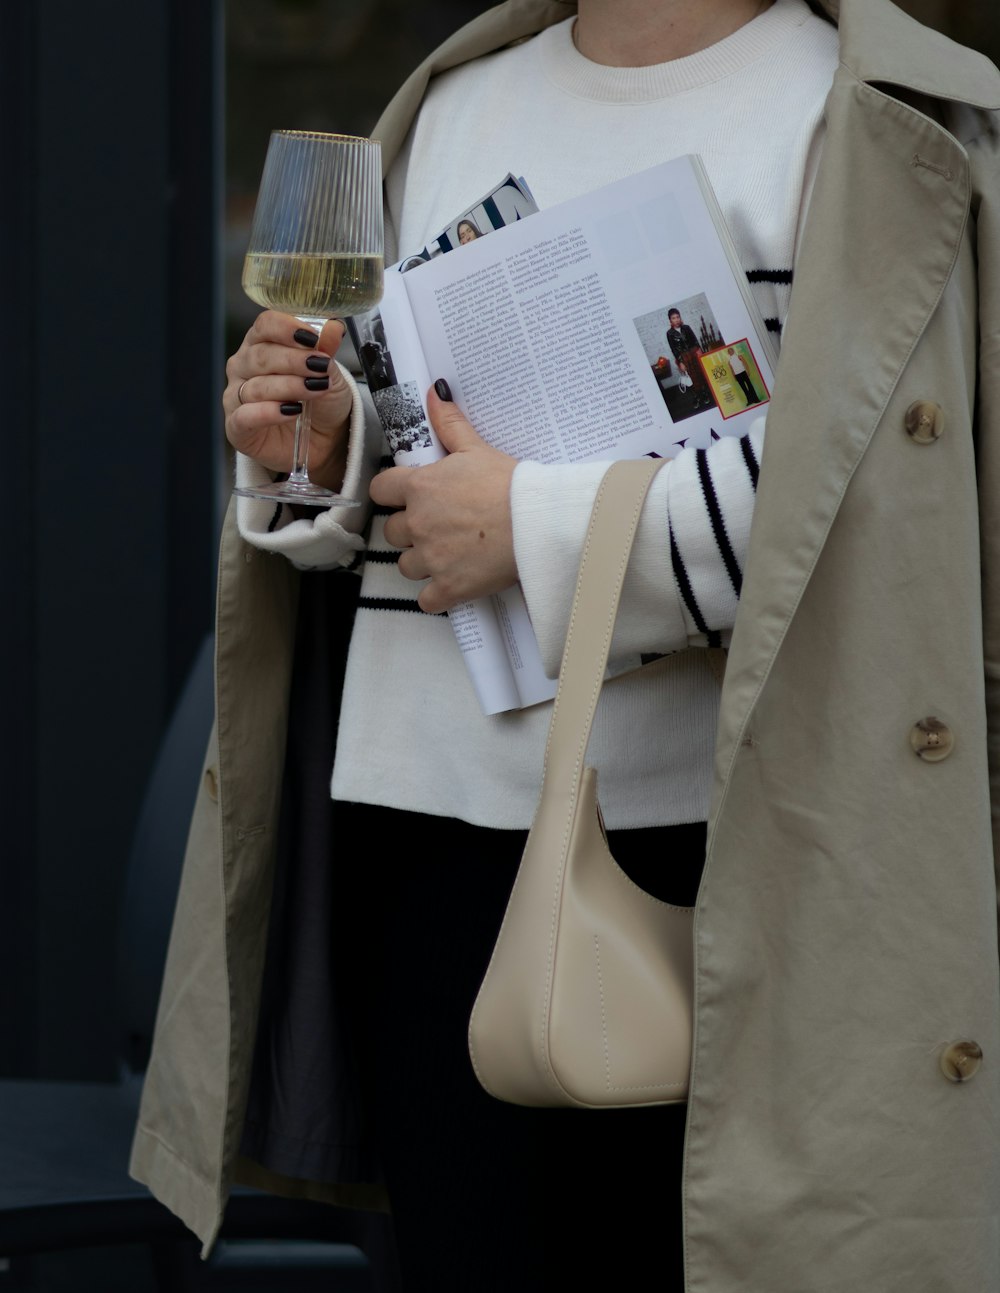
point(773, 325)
point(769, 275)
point(384, 511)
point(718, 524)
point(393, 604)
point(385, 462)
point(382, 558)
point(687, 592)
point(749, 457)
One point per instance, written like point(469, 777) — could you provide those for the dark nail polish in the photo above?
point(443, 390)
point(306, 337)
point(318, 363)
point(292, 409)
point(317, 383)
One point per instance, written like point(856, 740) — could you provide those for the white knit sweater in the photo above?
point(411, 733)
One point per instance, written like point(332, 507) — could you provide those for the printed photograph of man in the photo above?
point(735, 380)
point(739, 370)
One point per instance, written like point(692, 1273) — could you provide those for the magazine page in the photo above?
point(494, 635)
point(483, 640)
point(509, 202)
point(386, 340)
point(613, 325)
point(521, 645)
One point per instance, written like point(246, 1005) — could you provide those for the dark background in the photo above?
point(130, 154)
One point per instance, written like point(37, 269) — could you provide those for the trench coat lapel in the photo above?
point(809, 461)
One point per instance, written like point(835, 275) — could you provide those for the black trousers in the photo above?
point(747, 386)
point(485, 1195)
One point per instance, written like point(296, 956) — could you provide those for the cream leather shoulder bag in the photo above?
point(587, 997)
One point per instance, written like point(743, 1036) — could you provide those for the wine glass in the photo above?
point(315, 251)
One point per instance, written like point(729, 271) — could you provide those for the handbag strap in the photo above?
point(606, 550)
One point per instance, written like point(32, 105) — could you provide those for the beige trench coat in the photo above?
point(846, 929)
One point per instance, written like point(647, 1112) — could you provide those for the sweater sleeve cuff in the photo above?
point(332, 538)
point(710, 498)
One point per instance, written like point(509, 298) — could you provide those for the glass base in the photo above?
point(287, 491)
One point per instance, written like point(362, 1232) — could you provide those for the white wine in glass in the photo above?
point(312, 285)
point(316, 252)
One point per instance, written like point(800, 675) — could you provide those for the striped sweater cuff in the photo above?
point(683, 580)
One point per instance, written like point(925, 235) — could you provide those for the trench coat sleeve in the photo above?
point(186, 1144)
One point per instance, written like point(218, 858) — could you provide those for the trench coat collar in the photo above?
point(878, 45)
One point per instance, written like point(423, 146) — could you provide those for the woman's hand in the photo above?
point(277, 368)
point(455, 524)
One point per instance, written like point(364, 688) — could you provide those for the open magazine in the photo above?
point(616, 325)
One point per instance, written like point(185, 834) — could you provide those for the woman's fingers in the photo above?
point(397, 528)
point(282, 365)
point(287, 332)
point(266, 357)
point(270, 347)
point(280, 361)
point(253, 428)
point(281, 389)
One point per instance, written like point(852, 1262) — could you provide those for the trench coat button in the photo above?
point(924, 422)
point(931, 740)
point(961, 1060)
point(212, 785)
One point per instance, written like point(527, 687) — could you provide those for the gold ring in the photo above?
point(239, 393)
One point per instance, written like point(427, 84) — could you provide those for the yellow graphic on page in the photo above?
point(734, 378)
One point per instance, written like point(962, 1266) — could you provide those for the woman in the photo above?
point(842, 967)
point(467, 232)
